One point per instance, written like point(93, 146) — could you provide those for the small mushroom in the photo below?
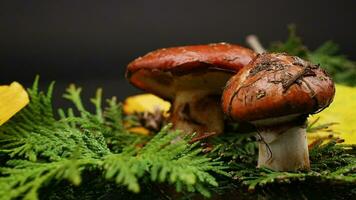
point(192, 78)
point(276, 93)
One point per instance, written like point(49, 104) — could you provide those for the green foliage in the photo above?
point(177, 163)
point(40, 154)
point(331, 157)
point(331, 164)
point(327, 55)
point(42, 151)
point(23, 177)
point(342, 69)
point(239, 151)
point(293, 45)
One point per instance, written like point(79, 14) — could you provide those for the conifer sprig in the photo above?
point(43, 150)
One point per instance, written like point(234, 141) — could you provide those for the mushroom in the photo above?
point(192, 78)
point(276, 93)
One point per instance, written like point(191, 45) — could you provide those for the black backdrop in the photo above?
point(90, 42)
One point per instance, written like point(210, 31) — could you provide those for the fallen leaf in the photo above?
point(13, 98)
point(139, 130)
point(145, 103)
point(342, 112)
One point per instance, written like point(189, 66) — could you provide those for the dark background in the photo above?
point(91, 42)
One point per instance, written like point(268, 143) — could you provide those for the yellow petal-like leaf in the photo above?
point(343, 112)
point(139, 130)
point(12, 99)
point(145, 103)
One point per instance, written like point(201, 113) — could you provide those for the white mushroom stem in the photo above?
point(285, 150)
point(197, 111)
point(255, 44)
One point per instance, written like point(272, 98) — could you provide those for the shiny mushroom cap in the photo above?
point(276, 87)
point(167, 70)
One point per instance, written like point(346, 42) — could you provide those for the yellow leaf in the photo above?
point(12, 99)
point(139, 130)
point(145, 103)
point(343, 112)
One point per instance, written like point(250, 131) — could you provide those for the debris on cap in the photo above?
point(276, 85)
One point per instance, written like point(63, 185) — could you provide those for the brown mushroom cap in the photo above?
point(275, 87)
point(198, 66)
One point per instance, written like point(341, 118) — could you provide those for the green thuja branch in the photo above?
point(73, 95)
point(26, 177)
point(42, 150)
point(97, 102)
point(117, 137)
point(177, 163)
point(332, 156)
point(264, 176)
point(113, 115)
point(293, 45)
